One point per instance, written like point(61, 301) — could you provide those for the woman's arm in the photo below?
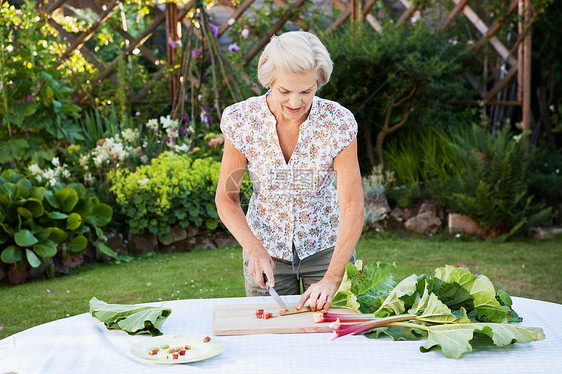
point(350, 196)
point(227, 200)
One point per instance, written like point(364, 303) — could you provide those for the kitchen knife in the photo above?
point(275, 295)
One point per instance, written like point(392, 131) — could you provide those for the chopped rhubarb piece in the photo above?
point(266, 316)
point(175, 356)
point(187, 346)
point(182, 352)
point(153, 351)
point(207, 339)
point(172, 350)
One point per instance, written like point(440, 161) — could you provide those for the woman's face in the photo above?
point(292, 94)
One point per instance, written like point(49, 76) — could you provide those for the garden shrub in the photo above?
point(373, 72)
point(36, 108)
point(38, 221)
point(173, 190)
point(492, 183)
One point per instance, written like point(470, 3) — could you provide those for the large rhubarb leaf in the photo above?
point(134, 319)
point(480, 289)
point(394, 304)
point(364, 288)
point(455, 339)
point(451, 294)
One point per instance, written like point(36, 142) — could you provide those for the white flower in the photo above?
point(98, 161)
point(35, 169)
point(144, 159)
point(231, 21)
point(244, 34)
point(172, 133)
point(143, 182)
point(181, 148)
point(88, 179)
point(167, 122)
point(10, 48)
point(130, 135)
point(153, 124)
point(49, 174)
point(83, 161)
point(66, 173)
point(52, 181)
point(55, 161)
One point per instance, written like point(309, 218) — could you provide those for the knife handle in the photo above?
point(265, 279)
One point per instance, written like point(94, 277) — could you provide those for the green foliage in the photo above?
point(173, 190)
point(492, 185)
point(545, 182)
point(37, 222)
point(418, 155)
point(374, 71)
point(36, 108)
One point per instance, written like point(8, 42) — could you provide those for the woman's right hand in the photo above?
point(260, 263)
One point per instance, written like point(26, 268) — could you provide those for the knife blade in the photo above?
point(275, 295)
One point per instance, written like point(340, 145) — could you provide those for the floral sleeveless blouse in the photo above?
point(295, 202)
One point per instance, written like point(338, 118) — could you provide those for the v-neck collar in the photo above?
point(273, 128)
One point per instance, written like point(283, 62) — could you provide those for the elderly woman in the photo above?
point(299, 231)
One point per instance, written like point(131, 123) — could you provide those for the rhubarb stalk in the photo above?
point(359, 328)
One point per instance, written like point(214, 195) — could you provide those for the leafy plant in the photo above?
point(39, 222)
point(36, 108)
point(492, 185)
point(409, 77)
point(419, 155)
point(173, 190)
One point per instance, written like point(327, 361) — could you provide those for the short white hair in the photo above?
point(295, 52)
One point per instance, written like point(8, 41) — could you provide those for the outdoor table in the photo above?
point(82, 344)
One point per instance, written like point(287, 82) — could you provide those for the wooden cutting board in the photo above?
point(240, 319)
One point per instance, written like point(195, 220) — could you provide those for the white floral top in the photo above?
point(294, 202)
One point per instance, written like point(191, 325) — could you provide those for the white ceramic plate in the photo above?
point(199, 349)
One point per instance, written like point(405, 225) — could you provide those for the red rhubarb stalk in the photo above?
point(346, 317)
point(359, 328)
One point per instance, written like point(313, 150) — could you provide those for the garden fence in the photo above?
point(512, 70)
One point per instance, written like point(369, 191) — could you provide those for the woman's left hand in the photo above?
point(319, 294)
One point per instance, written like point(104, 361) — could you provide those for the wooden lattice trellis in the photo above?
point(353, 10)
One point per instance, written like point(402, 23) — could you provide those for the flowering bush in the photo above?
point(173, 190)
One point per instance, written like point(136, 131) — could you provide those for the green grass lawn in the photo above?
point(526, 268)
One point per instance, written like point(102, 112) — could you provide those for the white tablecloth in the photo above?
point(81, 344)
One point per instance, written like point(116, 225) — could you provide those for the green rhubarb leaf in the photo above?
point(344, 298)
point(434, 311)
point(505, 300)
point(480, 289)
point(393, 304)
point(455, 339)
point(451, 294)
point(396, 333)
point(134, 319)
point(373, 276)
